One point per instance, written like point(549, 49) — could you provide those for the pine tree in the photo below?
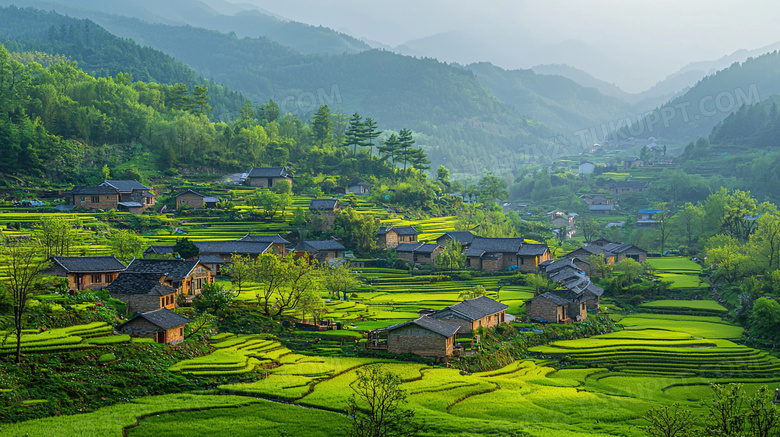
point(321, 124)
point(389, 148)
point(371, 133)
point(405, 143)
point(356, 133)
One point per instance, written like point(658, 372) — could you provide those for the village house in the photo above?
point(531, 255)
point(216, 264)
point(132, 194)
point(360, 188)
point(463, 237)
point(647, 218)
point(560, 219)
point(593, 294)
point(185, 276)
point(425, 336)
point(623, 251)
point(586, 251)
point(628, 187)
point(493, 253)
point(558, 306)
point(267, 177)
point(633, 161)
point(277, 240)
point(143, 291)
point(86, 272)
point(225, 250)
point(418, 252)
point(158, 251)
point(162, 325)
point(325, 208)
point(195, 200)
point(395, 235)
point(322, 251)
point(93, 197)
point(472, 314)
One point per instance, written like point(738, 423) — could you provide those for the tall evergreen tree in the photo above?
point(389, 148)
point(356, 133)
point(405, 143)
point(321, 124)
point(371, 132)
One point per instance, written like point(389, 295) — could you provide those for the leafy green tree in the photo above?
point(200, 100)
point(213, 299)
point(687, 223)
point(311, 303)
point(598, 265)
point(664, 227)
point(339, 281)
point(766, 316)
point(473, 293)
point(22, 275)
point(539, 282)
point(106, 172)
point(299, 218)
point(126, 245)
point(376, 408)
point(282, 187)
point(451, 257)
point(629, 270)
point(730, 256)
point(322, 124)
point(766, 241)
point(186, 248)
point(589, 228)
point(242, 270)
point(492, 188)
point(669, 421)
point(270, 111)
point(283, 281)
point(58, 235)
point(357, 231)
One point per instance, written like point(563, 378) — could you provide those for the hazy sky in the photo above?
point(654, 38)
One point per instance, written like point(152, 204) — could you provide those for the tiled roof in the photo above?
point(125, 186)
point(416, 247)
point(594, 290)
point(495, 245)
point(477, 308)
point(211, 259)
point(278, 239)
point(560, 264)
point(162, 318)
point(318, 246)
point(88, 264)
point(190, 192)
point(532, 249)
point(232, 246)
point(159, 250)
point(175, 269)
point(140, 283)
point(558, 297)
point(130, 204)
point(211, 199)
point(268, 172)
point(91, 191)
point(565, 274)
point(630, 184)
point(590, 249)
point(617, 247)
point(406, 230)
point(442, 328)
point(323, 204)
point(463, 237)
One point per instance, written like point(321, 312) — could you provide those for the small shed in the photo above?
point(162, 325)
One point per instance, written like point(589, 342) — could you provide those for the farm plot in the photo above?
point(234, 354)
point(686, 306)
point(62, 339)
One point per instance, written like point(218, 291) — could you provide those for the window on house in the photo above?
point(82, 198)
point(97, 279)
point(95, 199)
point(181, 331)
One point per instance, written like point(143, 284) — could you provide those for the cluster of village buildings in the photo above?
point(151, 287)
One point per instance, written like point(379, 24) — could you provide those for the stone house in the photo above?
point(360, 189)
point(143, 291)
point(162, 325)
point(419, 252)
point(86, 272)
point(472, 314)
point(463, 237)
point(99, 197)
point(493, 254)
point(395, 235)
point(628, 187)
point(632, 162)
point(277, 239)
point(132, 192)
point(556, 306)
point(425, 336)
point(531, 255)
point(584, 253)
point(623, 251)
point(195, 200)
point(161, 251)
point(185, 276)
point(322, 251)
point(214, 263)
point(267, 177)
point(594, 293)
point(326, 208)
point(227, 249)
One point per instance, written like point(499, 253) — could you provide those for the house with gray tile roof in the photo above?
point(424, 336)
point(418, 252)
point(143, 291)
point(267, 177)
point(394, 235)
point(86, 272)
point(557, 306)
point(322, 251)
point(472, 314)
point(186, 276)
point(493, 254)
point(463, 237)
point(162, 325)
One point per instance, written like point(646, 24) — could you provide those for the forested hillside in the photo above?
point(246, 21)
point(102, 54)
point(559, 102)
point(711, 100)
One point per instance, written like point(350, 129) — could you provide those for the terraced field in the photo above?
point(62, 339)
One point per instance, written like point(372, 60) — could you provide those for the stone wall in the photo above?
point(190, 199)
point(541, 308)
point(389, 239)
point(448, 316)
point(104, 201)
point(140, 303)
point(406, 256)
point(141, 328)
point(264, 182)
point(419, 341)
